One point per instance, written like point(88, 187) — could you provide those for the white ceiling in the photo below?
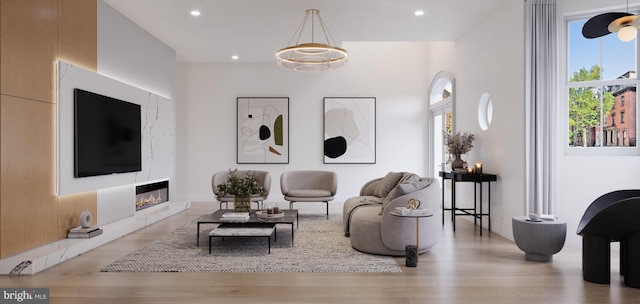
point(255, 29)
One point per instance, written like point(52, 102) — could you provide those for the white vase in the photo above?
point(85, 219)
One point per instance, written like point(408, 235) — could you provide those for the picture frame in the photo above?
point(262, 130)
point(349, 130)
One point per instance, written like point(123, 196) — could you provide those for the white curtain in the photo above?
point(541, 103)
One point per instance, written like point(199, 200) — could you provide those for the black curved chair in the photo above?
point(613, 217)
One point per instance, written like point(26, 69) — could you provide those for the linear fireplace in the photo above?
point(149, 195)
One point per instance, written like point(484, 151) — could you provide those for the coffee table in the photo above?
point(290, 216)
point(225, 230)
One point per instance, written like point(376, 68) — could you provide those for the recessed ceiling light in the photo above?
point(235, 57)
point(419, 13)
point(195, 13)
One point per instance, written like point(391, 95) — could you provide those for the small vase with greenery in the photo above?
point(242, 188)
point(458, 144)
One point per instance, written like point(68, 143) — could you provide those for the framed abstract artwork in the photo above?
point(349, 130)
point(263, 130)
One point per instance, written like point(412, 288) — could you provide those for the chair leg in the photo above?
point(623, 265)
point(596, 259)
point(632, 262)
point(290, 205)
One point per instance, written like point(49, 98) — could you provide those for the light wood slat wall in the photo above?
point(29, 33)
point(77, 44)
point(28, 201)
point(1, 230)
point(70, 207)
point(78, 33)
point(32, 37)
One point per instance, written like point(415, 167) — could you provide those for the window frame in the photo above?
point(563, 96)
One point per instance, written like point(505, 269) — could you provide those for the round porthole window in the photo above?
point(485, 111)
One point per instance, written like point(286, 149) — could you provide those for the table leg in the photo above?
point(489, 202)
point(475, 203)
point(481, 205)
point(443, 207)
point(417, 237)
point(453, 202)
point(198, 236)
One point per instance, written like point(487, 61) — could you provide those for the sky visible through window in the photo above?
point(617, 56)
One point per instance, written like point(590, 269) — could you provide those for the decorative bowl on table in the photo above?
point(264, 214)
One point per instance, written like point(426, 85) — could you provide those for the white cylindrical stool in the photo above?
point(539, 240)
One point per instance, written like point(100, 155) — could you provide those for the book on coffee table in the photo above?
point(235, 217)
point(236, 214)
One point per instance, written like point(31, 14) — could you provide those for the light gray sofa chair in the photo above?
point(373, 229)
point(309, 186)
point(222, 177)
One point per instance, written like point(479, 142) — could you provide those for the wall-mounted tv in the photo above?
point(107, 134)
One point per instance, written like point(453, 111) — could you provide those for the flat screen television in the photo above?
point(107, 135)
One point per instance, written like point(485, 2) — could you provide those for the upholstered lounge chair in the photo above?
point(612, 217)
point(372, 228)
point(309, 186)
point(223, 176)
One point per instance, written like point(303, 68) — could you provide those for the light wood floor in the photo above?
point(462, 268)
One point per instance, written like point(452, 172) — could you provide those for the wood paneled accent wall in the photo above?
point(33, 35)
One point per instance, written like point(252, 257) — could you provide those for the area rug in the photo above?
point(319, 246)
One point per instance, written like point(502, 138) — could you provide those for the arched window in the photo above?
point(441, 105)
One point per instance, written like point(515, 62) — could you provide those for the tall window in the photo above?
point(613, 119)
point(441, 99)
point(601, 75)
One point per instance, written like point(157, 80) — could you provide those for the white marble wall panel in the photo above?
point(158, 139)
point(158, 131)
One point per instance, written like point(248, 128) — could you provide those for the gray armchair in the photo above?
point(223, 176)
point(309, 186)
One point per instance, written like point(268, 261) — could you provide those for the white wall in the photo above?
point(397, 74)
point(130, 54)
point(490, 58)
point(584, 178)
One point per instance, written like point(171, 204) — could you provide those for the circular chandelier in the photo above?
point(312, 56)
